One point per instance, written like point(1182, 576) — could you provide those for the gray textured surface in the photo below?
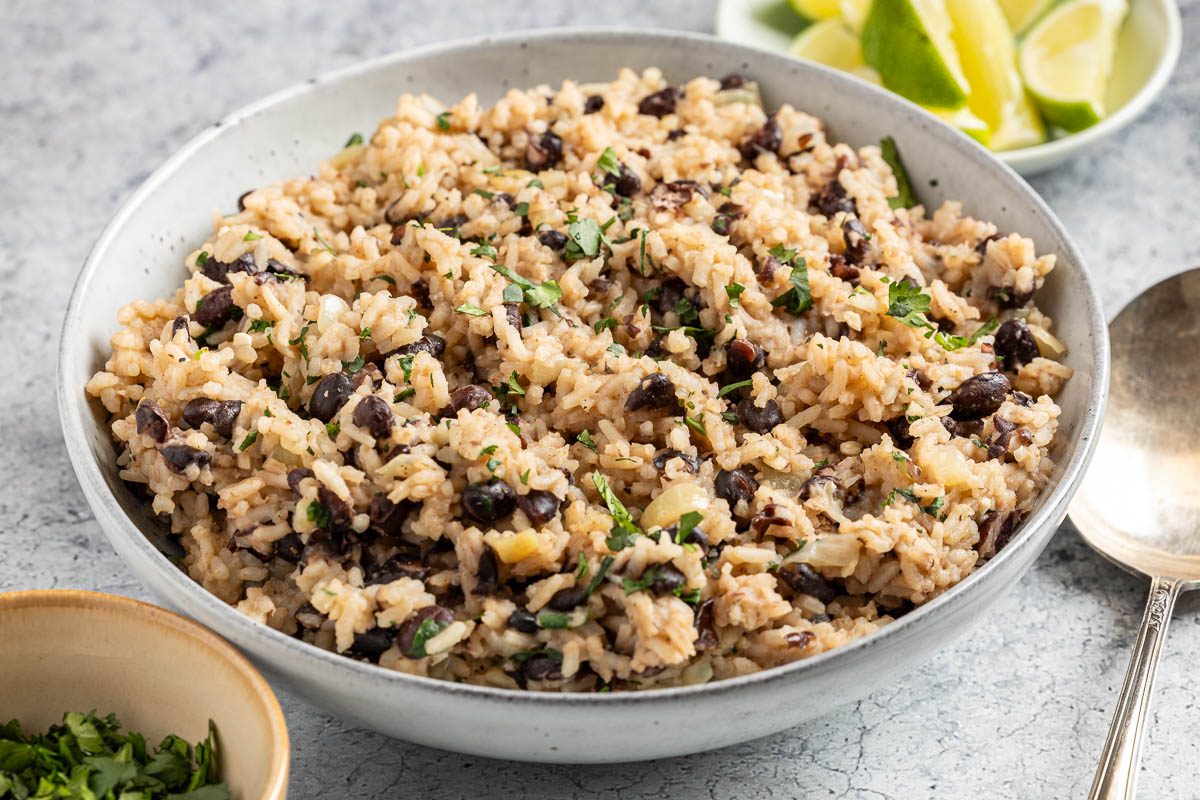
point(93, 96)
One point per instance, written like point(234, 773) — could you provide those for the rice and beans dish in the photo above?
point(604, 387)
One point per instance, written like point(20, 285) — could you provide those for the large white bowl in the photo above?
point(140, 256)
point(1147, 52)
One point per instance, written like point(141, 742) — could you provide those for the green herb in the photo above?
point(585, 439)
point(733, 387)
point(202, 259)
point(932, 509)
point(443, 121)
point(581, 569)
point(487, 451)
point(734, 290)
point(420, 170)
point(687, 524)
point(260, 325)
point(365, 333)
point(625, 211)
point(731, 417)
point(909, 304)
point(471, 310)
point(985, 329)
point(299, 340)
point(318, 514)
point(322, 242)
point(583, 240)
point(525, 478)
point(88, 757)
point(899, 457)
point(797, 299)
point(385, 279)
point(521, 209)
point(624, 528)
point(512, 426)
point(484, 193)
point(539, 295)
point(406, 366)
point(492, 464)
point(691, 597)
point(548, 652)
point(605, 563)
point(534, 183)
point(249, 440)
point(353, 366)
point(616, 349)
point(484, 250)
point(404, 394)
point(606, 324)
point(905, 198)
point(251, 236)
point(696, 424)
point(609, 163)
point(428, 629)
point(553, 620)
point(980, 443)
point(333, 429)
point(513, 385)
point(355, 138)
point(513, 294)
point(495, 169)
point(686, 311)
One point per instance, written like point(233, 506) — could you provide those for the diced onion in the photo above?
point(668, 507)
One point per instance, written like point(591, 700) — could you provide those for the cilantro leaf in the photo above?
point(905, 197)
point(609, 163)
point(624, 528)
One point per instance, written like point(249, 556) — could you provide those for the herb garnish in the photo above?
point(355, 138)
point(88, 756)
point(428, 629)
point(624, 528)
point(583, 240)
point(251, 236)
point(322, 242)
point(260, 325)
point(251, 437)
point(733, 387)
point(904, 198)
point(734, 290)
point(585, 439)
point(539, 295)
point(353, 366)
point(606, 324)
point(797, 299)
point(318, 514)
point(908, 494)
point(471, 310)
point(909, 304)
point(687, 524)
point(443, 121)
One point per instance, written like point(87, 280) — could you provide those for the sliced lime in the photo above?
point(833, 44)
point(989, 62)
point(1023, 13)
point(854, 13)
point(816, 9)
point(1066, 60)
point(909, 42)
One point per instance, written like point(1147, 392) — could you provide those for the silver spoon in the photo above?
point(1139, 504)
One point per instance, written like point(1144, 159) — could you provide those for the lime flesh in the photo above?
point(816, 9)
point(1066, 60)
point(908, 42)
point(1023, 13)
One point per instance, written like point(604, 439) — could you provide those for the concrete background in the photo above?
point(93, 96)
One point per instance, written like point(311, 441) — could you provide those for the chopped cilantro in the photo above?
point(797, 299)
point(333, 429)
point(535, 183)
point(318, 514)
point(324, 244)
point(202, 259)
point(585, 439)
point(539, 295)
point(608, 162)
point(443, 121)
point(251, 437)
point(624, 528)
point(606, 324)
point(525, 478)
point(605, 563)
point(734, 290)
point(355, 138)
point(260, 325)
point(513, 385)
point(428, 629)
point(353, 366)
point(404, 394)
point(406, 365)
point(385, 279)
point(733, 387)
point(484, 250)
point(471, 310)
point(696, 424)
point(521, 209)
point(365, 333)
point(251, 236)
point(583, 240)
point(687, 524)
point(904, 198)
point(484, 193)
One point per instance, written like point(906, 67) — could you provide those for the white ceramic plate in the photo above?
point(140, 255)
point(1147, 52)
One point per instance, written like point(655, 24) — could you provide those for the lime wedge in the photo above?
point(1023, 13)
point(965, 121)
point(909, 42)
point(1066, 60)
point(816, 9)
point(833, 44)
point(989, 62)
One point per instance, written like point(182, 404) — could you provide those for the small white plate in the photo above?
point(1147, 52)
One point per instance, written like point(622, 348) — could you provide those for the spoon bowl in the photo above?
point(1139, 504)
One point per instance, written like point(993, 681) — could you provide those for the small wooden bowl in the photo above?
point(158, 672)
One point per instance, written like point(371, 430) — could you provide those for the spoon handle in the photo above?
point(1116, 778)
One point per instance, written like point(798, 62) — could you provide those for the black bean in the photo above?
point(815, 484)
point(1015, 344)
point(539, 506)
point(1000, 442)
point(408, 631)
point(898, 428)
point(672, 195)
point(771, 515)
point(215, 308)
point(180, 324)
point(767, 268)
point(920, 379)
point(179, 457)
point(666, 579)
point(832, 199)
point(803, 579)
point(669, 293)
point(372, 644)
point(743, 358)
point(698, 538)
point(339, 510)
point(663, 456)
point(841, 270)
point(567, 599)
point(523, 621)
point(505, 198)
point(735, 486)
point(541, 668)
point(297, 475)
point(331, 394)
point(655, 392)
point(487, 574)
point(965, 428)
point(995, 531)
point(982, 247)
point(375, 415)
point(279, 269)
point(1022, 399)
point(628, 183)
point(488, 502)
point(857, 240)
point(979, 396)
point(289, 548)
point(543, 151)
point(759, 419)
point(555, 240)
point(733, 80)
point(678, 133)
point(395, 569)
point(429, 343)
point(467, 398)
point(221, 414)
point(705, 627)
point(1008, 297)
point(660, 103)
point(152, 421)
point(797, 639)
point(593, 104)
point(766, 139)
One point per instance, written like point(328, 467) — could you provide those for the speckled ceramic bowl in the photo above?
point(65, 650)
point(140, 256)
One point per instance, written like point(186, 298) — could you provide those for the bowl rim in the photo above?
point(1038, 157)
point(80, 599)
point(75, 411)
